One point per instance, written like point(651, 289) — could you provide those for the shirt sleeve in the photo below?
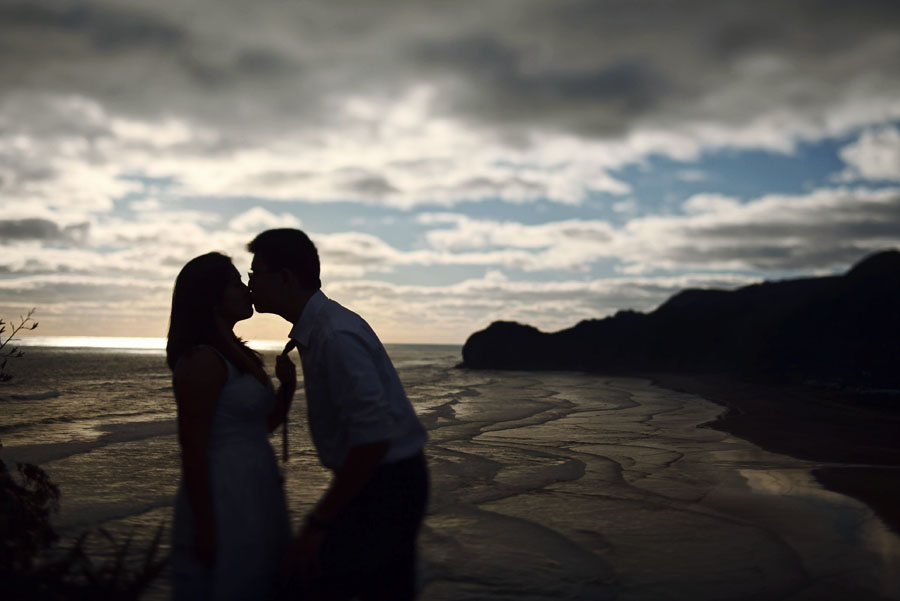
point(357, 390)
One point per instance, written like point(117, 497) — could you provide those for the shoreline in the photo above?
point(852, 433)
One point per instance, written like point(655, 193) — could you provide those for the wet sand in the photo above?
point(568, 486)
point(551, 486)
point(854, 434)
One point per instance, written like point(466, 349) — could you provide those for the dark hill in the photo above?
point(838, 328)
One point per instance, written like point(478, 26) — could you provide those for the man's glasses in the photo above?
point(251, 275)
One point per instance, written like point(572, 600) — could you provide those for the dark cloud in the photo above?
point(49, 290)
point(265, 62)
point(482, 185)
point(281, 177)
point(503, 84)
point(371, 184)
point(852, 220)
point(12, 230)
point(595, 68)
point(107, 28)
point(765, 256)
point(825, 230)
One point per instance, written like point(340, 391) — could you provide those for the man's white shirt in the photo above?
point(353, 394)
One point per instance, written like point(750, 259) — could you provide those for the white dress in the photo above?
point(252, 528)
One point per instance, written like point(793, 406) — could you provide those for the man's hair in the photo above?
point(291, 249)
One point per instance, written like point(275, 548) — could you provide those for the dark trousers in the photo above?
point(370, 550)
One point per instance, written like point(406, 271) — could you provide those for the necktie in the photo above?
point(291, 345)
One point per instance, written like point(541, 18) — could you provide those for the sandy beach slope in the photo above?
point(852, 433)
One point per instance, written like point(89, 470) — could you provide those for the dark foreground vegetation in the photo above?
point(33, 565)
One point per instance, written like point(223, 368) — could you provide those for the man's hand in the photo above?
point(286, 372)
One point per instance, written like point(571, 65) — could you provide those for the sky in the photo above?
point(456, 163)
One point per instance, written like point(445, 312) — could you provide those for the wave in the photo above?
point(417, 363)
point(99, 515)
point(114, 434)
point(90, 419)
point(40, 422)
point(36, 396)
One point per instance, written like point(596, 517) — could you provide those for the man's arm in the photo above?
point(350, 479)
point(347, 483)
point(355, 384)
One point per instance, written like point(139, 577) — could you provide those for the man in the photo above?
point(359, 540)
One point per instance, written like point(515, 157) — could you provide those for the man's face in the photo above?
point(265, 286)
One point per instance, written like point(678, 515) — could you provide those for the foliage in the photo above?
point(32, 566)
point(12, 353)
point(25, 510)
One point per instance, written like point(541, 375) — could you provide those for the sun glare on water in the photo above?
point(122, 342)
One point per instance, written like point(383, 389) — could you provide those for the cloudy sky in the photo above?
point(455, 162)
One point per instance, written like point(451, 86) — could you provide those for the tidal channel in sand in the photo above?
point(567, 486)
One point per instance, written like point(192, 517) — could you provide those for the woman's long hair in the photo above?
point(198, 289)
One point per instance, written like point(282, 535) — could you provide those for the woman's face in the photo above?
point(235, 304)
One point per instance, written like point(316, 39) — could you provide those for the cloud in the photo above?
point(828, 228)
point(107, 28)
point(470, 233)
point(875, 155)
point(710, 203)
point(370, 185)
point(126, 119)
point(509, 82)
point(449, 313)
point(69, 305)
point(42, 229)
point(692, 175)
point(258, 219)
point(429, 104)
point(126, 267)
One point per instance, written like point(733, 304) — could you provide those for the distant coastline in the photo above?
point(841, 329)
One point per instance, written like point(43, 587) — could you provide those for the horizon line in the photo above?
point(152, 343)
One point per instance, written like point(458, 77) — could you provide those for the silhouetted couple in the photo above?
point(231, 538)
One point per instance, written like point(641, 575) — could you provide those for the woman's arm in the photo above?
point(286, 373)
point(198, 381)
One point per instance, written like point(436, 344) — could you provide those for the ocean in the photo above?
point(545, 485)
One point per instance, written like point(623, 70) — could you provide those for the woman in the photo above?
point(231, 525)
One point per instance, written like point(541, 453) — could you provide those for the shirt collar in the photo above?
point(304, 326)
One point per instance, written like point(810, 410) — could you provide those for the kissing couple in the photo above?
point(231, 537)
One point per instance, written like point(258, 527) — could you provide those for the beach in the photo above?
point(609, 489)
point(851, 432)
point(545, 485)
